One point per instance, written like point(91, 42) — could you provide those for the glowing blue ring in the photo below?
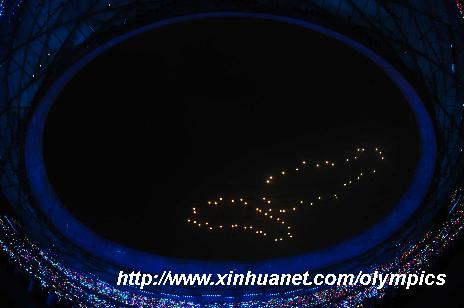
point(82, 236)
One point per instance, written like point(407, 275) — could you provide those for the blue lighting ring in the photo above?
point(120, 255)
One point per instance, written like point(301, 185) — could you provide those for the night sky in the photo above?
point(191, 112)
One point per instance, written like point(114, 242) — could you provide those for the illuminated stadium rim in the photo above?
point(117, 254)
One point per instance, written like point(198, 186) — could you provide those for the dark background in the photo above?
point(177, 116)
point(320, 82)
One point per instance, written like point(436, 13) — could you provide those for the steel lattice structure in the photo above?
point(40, 39)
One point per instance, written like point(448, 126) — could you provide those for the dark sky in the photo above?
point(210, 108)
